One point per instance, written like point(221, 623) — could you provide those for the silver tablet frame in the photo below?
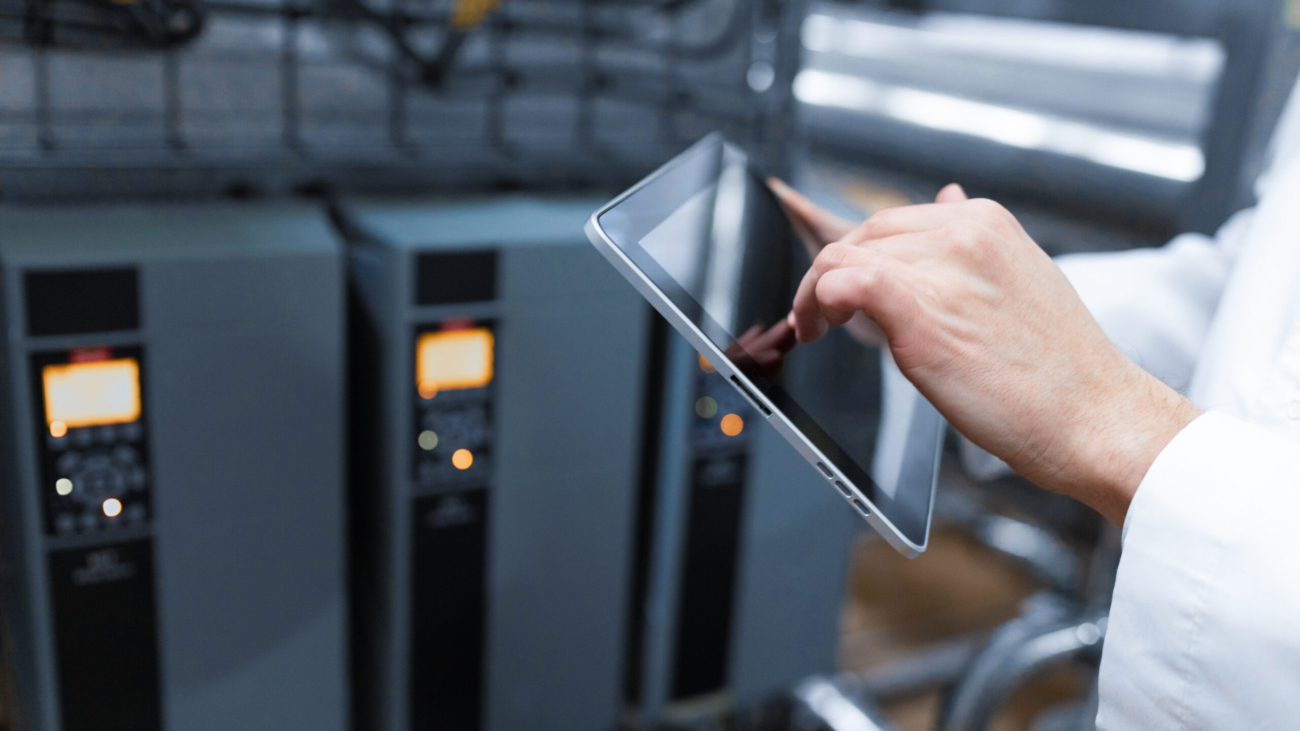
point(774, 416)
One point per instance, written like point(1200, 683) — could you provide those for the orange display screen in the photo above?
point(453, 359)
point(88, 394)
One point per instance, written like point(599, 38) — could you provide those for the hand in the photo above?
point(992, 333)
point(818, 227)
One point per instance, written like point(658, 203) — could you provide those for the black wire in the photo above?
point(97, 24)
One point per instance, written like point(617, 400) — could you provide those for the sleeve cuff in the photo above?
point(1201, 627)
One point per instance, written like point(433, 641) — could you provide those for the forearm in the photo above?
point(1115, 437)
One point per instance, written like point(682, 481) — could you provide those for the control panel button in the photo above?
point(125, 456)
point(132, 431)
point(68, 463)
point(82, 437)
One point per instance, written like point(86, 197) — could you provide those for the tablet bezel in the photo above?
point(782, 422)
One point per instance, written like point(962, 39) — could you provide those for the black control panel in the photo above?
point(449, 611)
point(719, 437)
point(94, 476)
point(106, 637)
point(452, 443)
point(452, 434)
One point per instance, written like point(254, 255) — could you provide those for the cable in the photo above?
point(101, 24)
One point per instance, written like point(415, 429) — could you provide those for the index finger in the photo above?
point(908, 220)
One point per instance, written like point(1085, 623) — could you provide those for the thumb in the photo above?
point(951, 193)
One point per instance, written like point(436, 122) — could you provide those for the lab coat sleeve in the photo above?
point(1204, 627)
point(1157, 304)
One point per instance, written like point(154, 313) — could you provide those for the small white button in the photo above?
point(1293, 411)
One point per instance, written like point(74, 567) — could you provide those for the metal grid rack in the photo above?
point(103, 100)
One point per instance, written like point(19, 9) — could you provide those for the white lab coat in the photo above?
point(1204, 629)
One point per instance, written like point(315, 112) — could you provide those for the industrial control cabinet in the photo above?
point(744, 550)
point(498, 366)
point(171, 426)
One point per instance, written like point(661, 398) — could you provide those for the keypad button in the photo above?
point(68, 463)
point(88, 521)
point(65, 523)
point(94, 484)
point(132, 431)
point(137, 478)
point(56, 444)
point(82, 437)
point(124, 455)
point(106, 434)
point(134, 513)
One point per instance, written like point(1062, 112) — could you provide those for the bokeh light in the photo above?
point(112, 507)
point(58, 428)
point(427, 440)
point(706, 407)
point(706, 366)
point(461, 459)
point(732, 425)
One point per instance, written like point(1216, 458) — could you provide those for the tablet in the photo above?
point(705, 241)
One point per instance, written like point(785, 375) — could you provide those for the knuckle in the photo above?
point(965, 237)
point(985, 208)
point(880, 222)
point(833, 256)
point(993, 213)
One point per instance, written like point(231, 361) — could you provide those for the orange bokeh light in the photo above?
point(91, 393)
point(706, 366)
point(452, 359)
point(732, 425)
point(461, 459)
point(112, 507)
point(58, 428)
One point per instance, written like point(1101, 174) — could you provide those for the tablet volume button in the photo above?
point(752, 399)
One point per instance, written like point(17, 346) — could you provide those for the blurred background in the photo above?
point(320, 413)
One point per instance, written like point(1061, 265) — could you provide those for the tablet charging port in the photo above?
point(753, 401)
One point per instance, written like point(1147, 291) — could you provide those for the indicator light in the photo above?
point(706, 407)
point(427, 440)
point(427, 389)
point(112, 507)
point(63, 486)
point(58, 428)
point(461, 459)
point(732, 425)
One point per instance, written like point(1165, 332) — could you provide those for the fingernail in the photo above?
point(789, 319)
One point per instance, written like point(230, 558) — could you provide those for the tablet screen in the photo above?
point(708, 232)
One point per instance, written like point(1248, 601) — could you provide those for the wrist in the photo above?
point(1131, 423)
